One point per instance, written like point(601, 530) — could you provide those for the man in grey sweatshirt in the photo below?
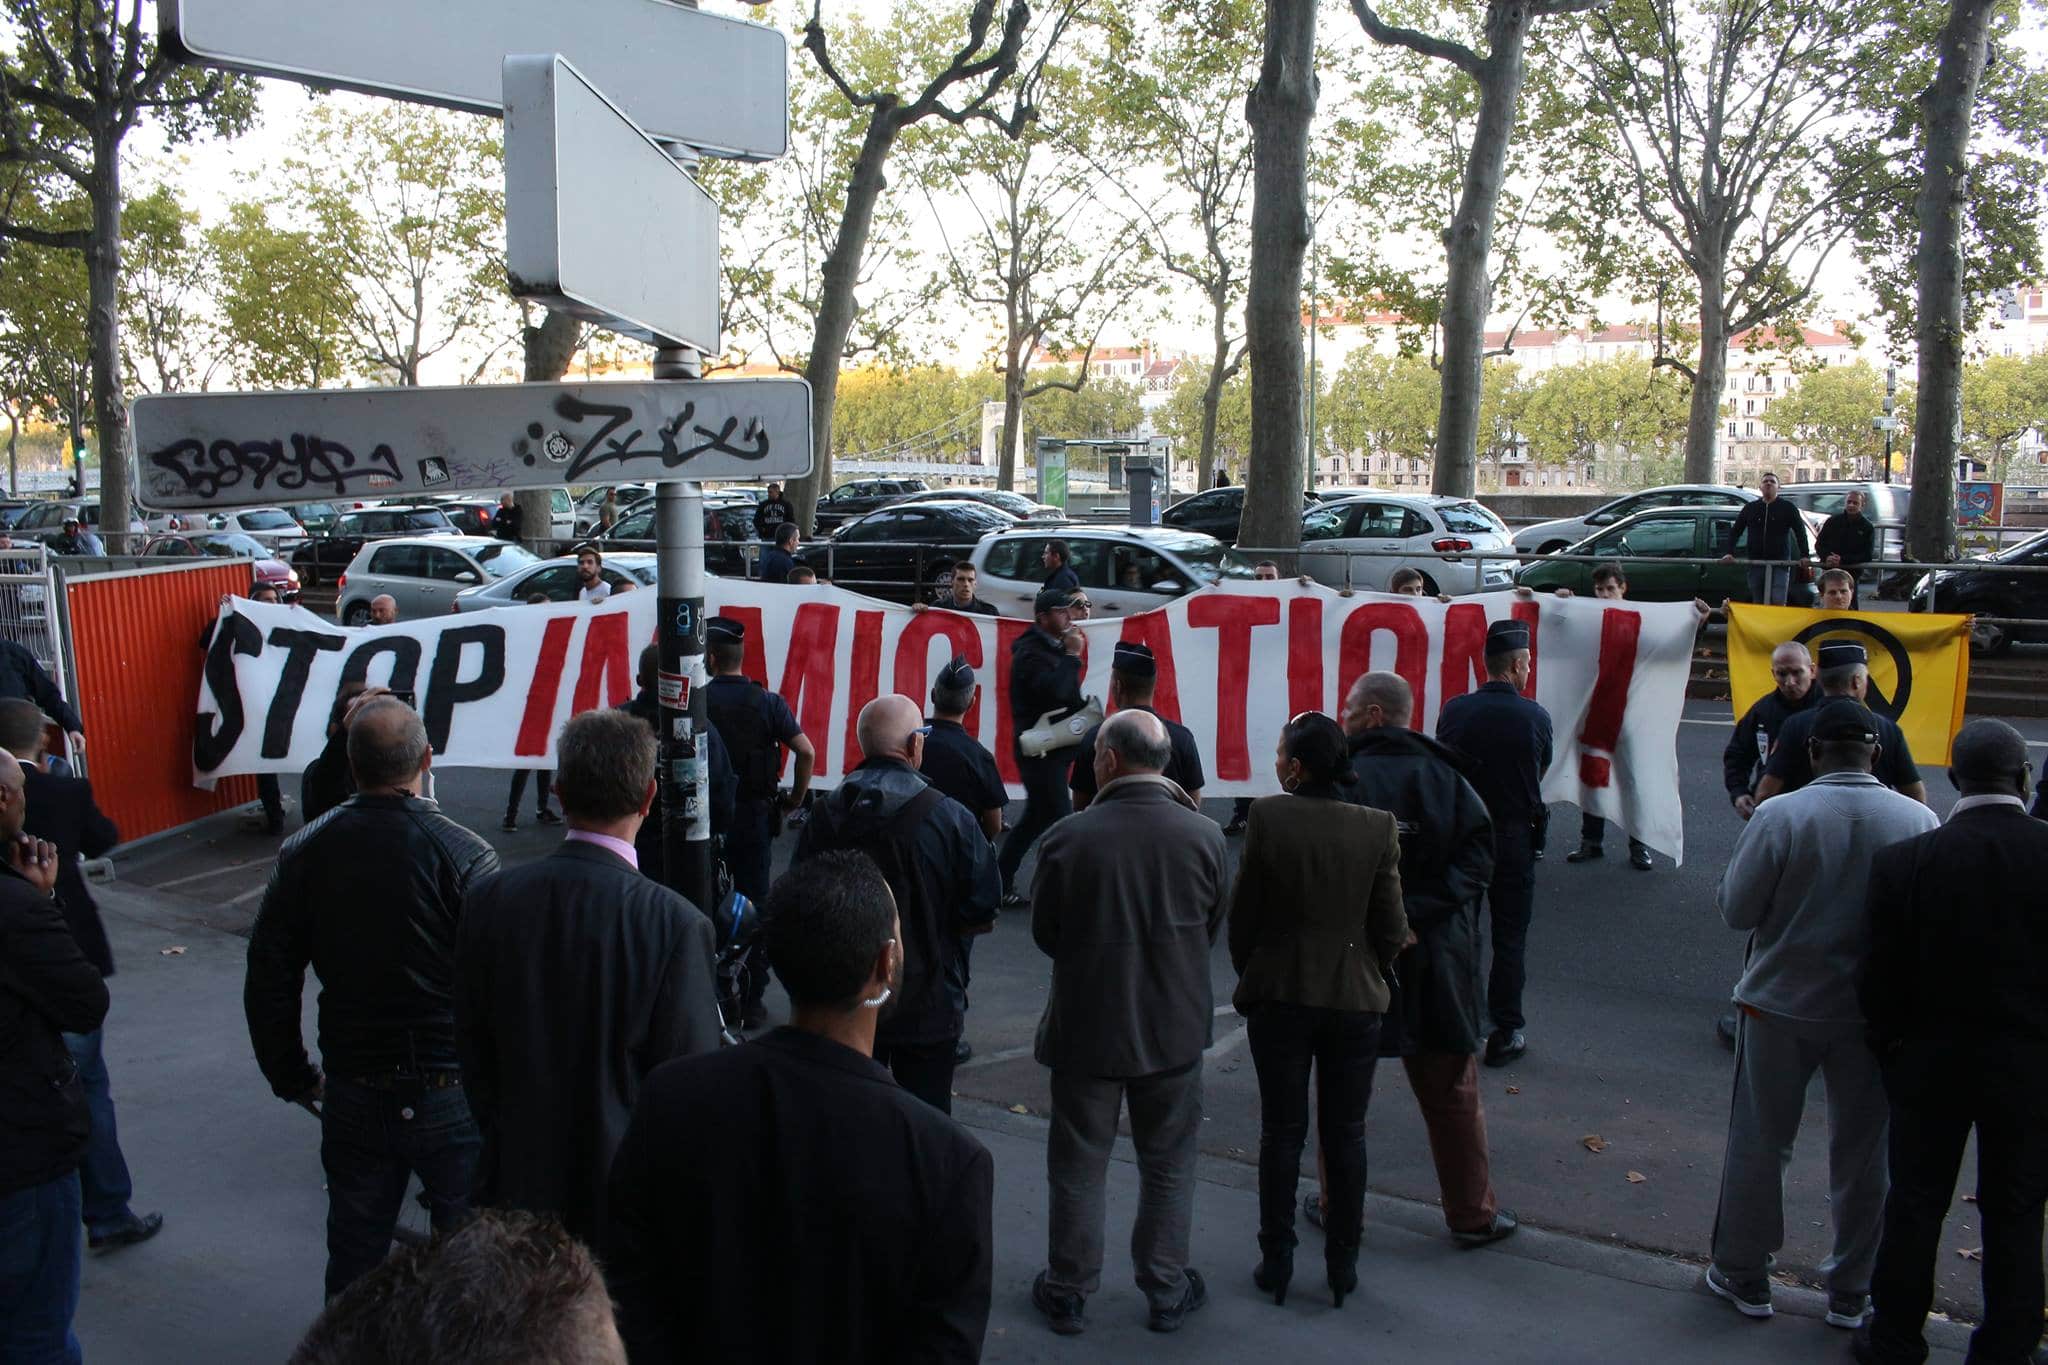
point(1797, 882)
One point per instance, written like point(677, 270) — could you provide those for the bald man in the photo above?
point(1742, 762)
point(942, 870)
point(383, 610)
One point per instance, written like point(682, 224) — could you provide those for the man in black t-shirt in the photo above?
point(1133, 674)
point(1844, 672)
point(954, 761)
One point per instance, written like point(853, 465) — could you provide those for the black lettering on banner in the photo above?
point(445, 689)
point(405, 663)
point(211, 743)
point(301, 647)
point(308, 462)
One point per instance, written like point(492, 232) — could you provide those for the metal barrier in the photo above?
point(27, 592)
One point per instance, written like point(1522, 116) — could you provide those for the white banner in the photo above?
point(1235, 661)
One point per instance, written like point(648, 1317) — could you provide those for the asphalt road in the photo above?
point(1627, 971)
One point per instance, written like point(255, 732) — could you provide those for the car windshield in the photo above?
point(231, 547)
point(425, 519)
point(505, 558)
point(1209, 559)
point(1014, 503)
point(268, 519)
point(2026, 550)
point(1470, 518)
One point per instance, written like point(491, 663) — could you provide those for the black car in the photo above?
point(1216, 512)
point(324, 558)
point(1002, 499)
point(860, 497)
point(1986, 592)
point(726, 534)
point(904, 551)
point(472, 516)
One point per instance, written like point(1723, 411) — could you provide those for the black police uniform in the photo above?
point(1749, 748)
point(1133, 662)
point(958, 766)
point(1507, 738)
point(1793, 766)
point(1043, 677)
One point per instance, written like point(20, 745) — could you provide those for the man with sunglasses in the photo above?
point(942, 871)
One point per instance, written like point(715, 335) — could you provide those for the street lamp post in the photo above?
point(1891, 394)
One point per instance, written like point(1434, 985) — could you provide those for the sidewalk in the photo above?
point(236, 1273)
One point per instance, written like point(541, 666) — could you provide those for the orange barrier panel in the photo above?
point(135, 639)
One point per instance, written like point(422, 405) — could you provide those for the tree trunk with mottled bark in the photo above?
point(548, 350)
point(103, 320)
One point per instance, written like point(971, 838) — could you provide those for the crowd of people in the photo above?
point(539, 1045)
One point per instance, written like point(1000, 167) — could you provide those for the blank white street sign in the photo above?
point(720, 85)
point(599, 220)
point(203, 450)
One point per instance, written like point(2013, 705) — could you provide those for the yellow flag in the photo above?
point(1919, 664)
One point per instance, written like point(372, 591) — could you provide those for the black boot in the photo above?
point(1342, 1265)
point(1272, 1273)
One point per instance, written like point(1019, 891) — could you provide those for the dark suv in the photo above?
point(858, 498)
point(325, 557)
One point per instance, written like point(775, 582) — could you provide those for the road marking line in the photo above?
point(1229, 1043)
point(205, 876)
point(1688, 720)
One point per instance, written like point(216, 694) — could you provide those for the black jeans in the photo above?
point(1510, 901)
point(1046, 799)
point(1928, 1132)
point(371, 1140)
point(1593, 833)
point(546, 778)
point(924, 1069)
point(1344, 1046)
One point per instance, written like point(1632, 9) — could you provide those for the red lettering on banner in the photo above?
point(753, 650)
point(1464, 666)
point(1233, 619)
point(607, 659)
point(913, 657)
point(808, 673)
point(866, 675)
point(1619, 631)
point(1305, 656)
point(536, 723)
point(1008, 632)
point(1411, 647)
point(1530, 615)
point(1152, 630)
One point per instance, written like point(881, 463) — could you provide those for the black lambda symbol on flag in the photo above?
point(1881, 644)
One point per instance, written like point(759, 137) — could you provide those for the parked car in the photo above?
point(592, 501)
point(423, 573)
point(318, 518)
point(274, 526)
point(268, 568)
point(1216, 512)
point(556, 580)
point(1002, 499)
point(1548, 537)
point(321, 559)
point(1985, 592)
point(1408, 531)
point(1660, 533)
point(726, 534)
point(470, 516)
point(858, 498)
point(903, 551)
point(45, 520)
point(1124, 569)
point(11, 511)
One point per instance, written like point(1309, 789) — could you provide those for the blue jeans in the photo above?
point(39, 1248)
point(103, 1175)
point(1769, 584)
point(371, 1141)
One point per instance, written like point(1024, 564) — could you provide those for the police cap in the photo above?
point(957, 675)
point(726, 629)
point(1505, 637)
point(1134, 659)
point(1842, 653)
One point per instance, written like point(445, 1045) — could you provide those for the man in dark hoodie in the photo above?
point(1446, 866)
point(942, 872)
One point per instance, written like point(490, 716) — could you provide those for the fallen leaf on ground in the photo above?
point(1514, 1090)
point(1636, 1177)
point(1969, 1199)
point(1971, 1253)
point(1019, 1109)
point(1593, 1142)
point(175, 950)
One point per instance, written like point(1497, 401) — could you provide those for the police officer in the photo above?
point(756, 725)
point(1133, 673)
point(957, 765)
point(1844, 672)
point(1507, 738)
point(1045, 676)
point(723, 782)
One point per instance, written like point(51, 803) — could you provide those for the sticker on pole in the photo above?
point(674, 689)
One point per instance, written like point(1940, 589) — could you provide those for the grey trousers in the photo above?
point(1166, 1121)
point(1775, 1060)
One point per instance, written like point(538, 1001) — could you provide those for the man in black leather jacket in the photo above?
point(369, 895)
point(1045, 675)
point(1446, 866)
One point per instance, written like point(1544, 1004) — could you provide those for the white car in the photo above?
point(555, 579)
point(270, 526)
point(1123, 569)
point(1364, 539)
point(1548, 537)
point(422, 574)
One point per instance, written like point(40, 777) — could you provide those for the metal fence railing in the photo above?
point(27, 612)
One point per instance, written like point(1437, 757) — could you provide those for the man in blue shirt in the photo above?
point(778, 559)
point(1507, 738)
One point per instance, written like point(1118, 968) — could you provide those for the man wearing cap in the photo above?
point(1045, 676)
point(1132, 675)
point(756, 725)
point(1775, 530)
point(1797, 882)
point(957, 765)
point(1506, 737)
point(1844, 672)
point(942, 870)
point(76, 540)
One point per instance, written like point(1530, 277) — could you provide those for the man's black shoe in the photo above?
point(1194, 1296)
point(962, 1050)
point(1503, 1225)
point(547, 817)
point(1234, 828)
point(1504, 1046)
point(1015, 901)
point(1724, 1029)
point(1639, 857)
point(1539, 853)
point(127, 1233)
point(1585, 853)
point(1062, 1311)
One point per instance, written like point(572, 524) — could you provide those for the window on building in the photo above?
point(1749, 428)
point(1749, 406)
point(1767, 383)
point(1731, 428)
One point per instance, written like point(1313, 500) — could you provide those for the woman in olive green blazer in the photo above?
point(1315, 925)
